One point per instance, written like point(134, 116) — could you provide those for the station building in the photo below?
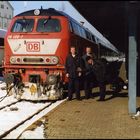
point(6, 14)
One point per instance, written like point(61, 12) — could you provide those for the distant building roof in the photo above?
point(10, 5)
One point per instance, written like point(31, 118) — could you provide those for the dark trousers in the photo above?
point(102, 87)
point(88, 86)
point(74, 85)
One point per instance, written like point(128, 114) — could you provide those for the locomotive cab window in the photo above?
point(48, 25)
point(23, 25)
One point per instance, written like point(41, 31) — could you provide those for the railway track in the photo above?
point(6, 100)
point(8, 105)
point(17, 116)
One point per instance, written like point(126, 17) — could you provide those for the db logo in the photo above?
point(33, 46)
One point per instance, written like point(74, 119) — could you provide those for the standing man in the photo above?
point(98, 70)
point(73, 72)
point(88, 73)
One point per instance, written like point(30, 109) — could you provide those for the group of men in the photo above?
point(86, 69)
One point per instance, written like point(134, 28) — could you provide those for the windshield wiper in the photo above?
point(46, 21)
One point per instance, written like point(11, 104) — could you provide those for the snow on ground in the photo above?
point(15, 114)
point(15, 133)
point(8, 99)
point(20, 111)
point(38, 133)
point(2, 92)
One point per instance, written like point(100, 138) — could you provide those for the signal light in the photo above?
point(18, 59)
point(47, 60)
point(53, 60)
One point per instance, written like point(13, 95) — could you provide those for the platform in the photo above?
point(89, 119)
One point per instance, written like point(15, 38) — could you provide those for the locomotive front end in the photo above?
point(34, 62)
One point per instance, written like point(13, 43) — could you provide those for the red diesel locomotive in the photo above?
point(36, 46)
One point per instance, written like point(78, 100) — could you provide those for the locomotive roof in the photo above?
point(43, 12)
point(48, 12)
point(54, 12)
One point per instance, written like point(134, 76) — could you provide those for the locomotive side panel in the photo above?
point(81, 43)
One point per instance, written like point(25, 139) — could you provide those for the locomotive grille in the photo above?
point(33, 60)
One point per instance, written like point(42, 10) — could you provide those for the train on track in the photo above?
point(36, 46)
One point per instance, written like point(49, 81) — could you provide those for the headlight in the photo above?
point(54, 60)
point(13, 60)
point(36, 12)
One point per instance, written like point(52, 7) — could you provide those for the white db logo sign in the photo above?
point(33, 46)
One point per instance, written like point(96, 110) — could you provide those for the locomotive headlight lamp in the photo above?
point(12, 60)
point(54, 60)
point(36, 12)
